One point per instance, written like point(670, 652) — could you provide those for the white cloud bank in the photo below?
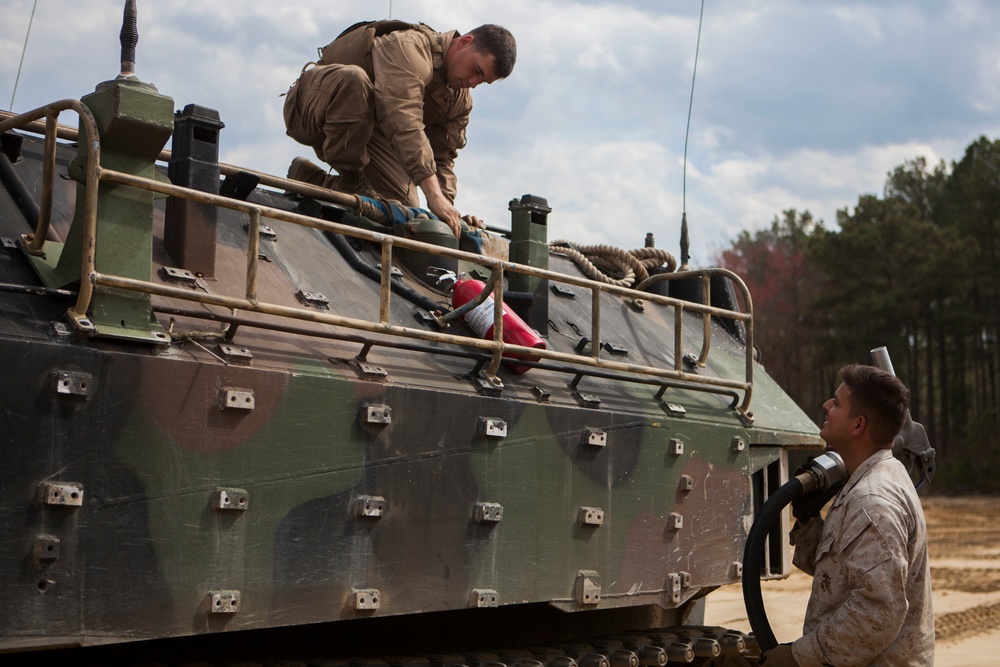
point(797, 105)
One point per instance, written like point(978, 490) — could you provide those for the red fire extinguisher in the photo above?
point(480, 320)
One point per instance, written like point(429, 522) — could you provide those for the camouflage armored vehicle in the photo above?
point(242, 418)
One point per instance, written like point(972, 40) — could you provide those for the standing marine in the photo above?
point(871, 593)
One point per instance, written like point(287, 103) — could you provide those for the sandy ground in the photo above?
point(965, 572)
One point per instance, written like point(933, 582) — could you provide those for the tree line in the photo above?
point(913, 270)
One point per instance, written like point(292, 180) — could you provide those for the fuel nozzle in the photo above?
point(823, 472)
point(911, 446)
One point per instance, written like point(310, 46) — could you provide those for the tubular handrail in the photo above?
point(91, 278)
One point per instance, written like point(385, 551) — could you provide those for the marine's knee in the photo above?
point(345, 80)
point(354, 75)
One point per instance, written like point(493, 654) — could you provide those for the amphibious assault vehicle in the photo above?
point(242, 418)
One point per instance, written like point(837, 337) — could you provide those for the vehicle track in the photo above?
point(701, 646)
point(957, 625)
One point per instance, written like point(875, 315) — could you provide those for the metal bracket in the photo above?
point(70, 384)
point(564, 292)
point(239, 356)
point(233, 398)
point(488, 512)
point(674, 409)
point(230, 499)
point(314, 299)
point(393, 271)
point(492, 427)
point(267, 232)
point(675, 447)
point(372, 413)
point(588, 591)
point(737, 444)
point(425, 318)
point(615, 350)
point(486, 387)
point(367, 371)
point(587, 400)
point(674, 587)
point(687, 483)
point(369, 507)
point(594, 437)
point(46, 548)
point(61, 494)
point(181, 276)
point(541, 394)
point(591, 516)
point(223, 602)
point(675, 521)
point(484, 597)
point(366, 599)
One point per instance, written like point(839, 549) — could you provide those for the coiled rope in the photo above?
point(597, 261)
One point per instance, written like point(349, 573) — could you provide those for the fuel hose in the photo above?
point(355, 261)
point(823, 472)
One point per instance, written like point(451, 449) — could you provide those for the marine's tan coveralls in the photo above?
point(871, 593)
point(387, 109)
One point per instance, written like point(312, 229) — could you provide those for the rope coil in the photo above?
point(598, 261)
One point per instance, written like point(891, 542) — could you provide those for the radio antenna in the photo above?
point(685, 245)
point(129, 37)
point(23, 51)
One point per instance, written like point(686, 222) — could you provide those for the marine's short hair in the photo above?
point(878, 396)
point(498, 42)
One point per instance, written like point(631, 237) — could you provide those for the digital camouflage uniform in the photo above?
point(871, 593)
point(380, 102)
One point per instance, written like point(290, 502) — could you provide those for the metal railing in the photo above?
point(496, 348)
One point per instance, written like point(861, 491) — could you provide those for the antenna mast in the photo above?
point(685, 245)
point(129, 37)
point(23, 51)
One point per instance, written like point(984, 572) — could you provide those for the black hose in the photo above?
point(22, 197)
point(37, 291)
point(355, 261)
point(753, 557)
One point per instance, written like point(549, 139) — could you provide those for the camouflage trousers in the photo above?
point(330, 108)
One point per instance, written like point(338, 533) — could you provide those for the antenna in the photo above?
point(129, 37)
point(685, 254)
point(23, 51)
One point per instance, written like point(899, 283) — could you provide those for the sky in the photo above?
point(797, 103)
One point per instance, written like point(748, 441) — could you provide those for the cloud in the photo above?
point(796, 105)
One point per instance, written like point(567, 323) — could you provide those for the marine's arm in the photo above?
point(447, 138)
point(440, 205)
point(403, 66)
point(805, 538)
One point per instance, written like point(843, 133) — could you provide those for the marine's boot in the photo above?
point(303, 170)
point(354, 183)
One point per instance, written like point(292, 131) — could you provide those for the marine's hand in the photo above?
point(440, 205)
point(809, 504)
point(473, 221)
point(444, 210)
point(779, 656)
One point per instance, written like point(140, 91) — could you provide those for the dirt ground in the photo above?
point(964, 542)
